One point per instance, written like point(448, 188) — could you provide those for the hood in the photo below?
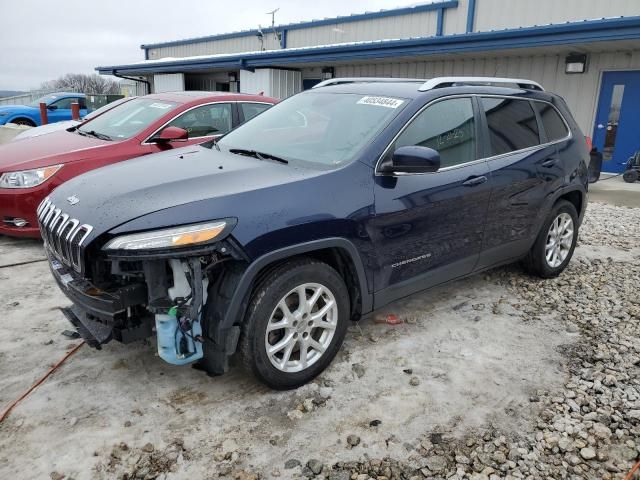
point(110, 196)
point(10, 108)
point(46, 129)
point(45, 150)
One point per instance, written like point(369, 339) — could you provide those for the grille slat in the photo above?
point(63, 235)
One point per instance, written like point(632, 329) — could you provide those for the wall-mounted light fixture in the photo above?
point(328, 73)
point(575, 63)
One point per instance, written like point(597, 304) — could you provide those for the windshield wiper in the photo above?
point(258, 155)
point(93, 133)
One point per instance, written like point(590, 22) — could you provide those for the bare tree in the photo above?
point(80, 82)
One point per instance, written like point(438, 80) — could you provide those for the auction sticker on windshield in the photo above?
point(163, 106)
point(386, 102)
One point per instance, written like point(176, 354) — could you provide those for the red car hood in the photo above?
point(52, 149)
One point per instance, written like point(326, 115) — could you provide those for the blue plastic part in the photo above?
point(169, 338)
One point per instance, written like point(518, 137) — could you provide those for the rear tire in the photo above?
point(630, 176)
point(23, 121)
point(556, 242)
point(285, 342)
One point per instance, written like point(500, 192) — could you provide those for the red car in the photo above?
point(30, 169)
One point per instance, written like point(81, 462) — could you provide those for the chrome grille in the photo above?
point(63, 235)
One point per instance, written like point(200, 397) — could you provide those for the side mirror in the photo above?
point(413, 159)
point(171, 134)
point(52, 107)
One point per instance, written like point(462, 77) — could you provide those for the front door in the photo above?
point(616, 130)
point(428, 228)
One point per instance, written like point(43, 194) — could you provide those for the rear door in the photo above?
point(428, 228)
point(525, 171)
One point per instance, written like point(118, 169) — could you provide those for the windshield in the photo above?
point(128, 119)
point(322, 129)
point(46, 99)
point(106, 107)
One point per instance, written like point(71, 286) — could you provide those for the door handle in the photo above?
point(549, 162)
point(473, 181)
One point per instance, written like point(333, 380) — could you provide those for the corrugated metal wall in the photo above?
point(249, 43)
point(500, 14)
point(272, 82)
point(489, 15)
point(422, 24)
point(580, 91)
point(170, 82)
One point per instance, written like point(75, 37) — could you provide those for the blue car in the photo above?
point(58, 109)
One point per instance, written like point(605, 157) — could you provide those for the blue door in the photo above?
point(60, 110)
point(616, 129)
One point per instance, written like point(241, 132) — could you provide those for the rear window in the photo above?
point(553, 124)
point(512, 124)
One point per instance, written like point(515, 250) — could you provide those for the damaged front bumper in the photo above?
point(100, 315)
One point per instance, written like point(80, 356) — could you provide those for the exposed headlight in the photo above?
point(27, 178)
point(168, 237)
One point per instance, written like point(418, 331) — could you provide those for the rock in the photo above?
point(56, 476)
point(148, 448)
point(315, 466)
point(499, 457)
point(375, 423)
point(358, 369)
point(588, 453)
point(341, 475)
point(291, 463)
point(295, 414)
point(127, 424)
point(408, 371)
point(565, 444)
point(308, 406)
point(436, 463)
point(414, 381)
point(353, 440)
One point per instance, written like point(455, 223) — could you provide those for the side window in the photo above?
point(82, 102)
point(512, 124)
point(250, 110)
point(448, 127)
point(206, 120)
point(554, 126)
point(64, 103)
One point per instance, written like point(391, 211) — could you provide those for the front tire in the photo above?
point(23, 121)
point(556, 242)
point(295, 323)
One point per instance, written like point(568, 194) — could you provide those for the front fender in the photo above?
point(248, 278)
point(34, 118)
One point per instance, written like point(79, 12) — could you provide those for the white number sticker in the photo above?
point(386, 102)
point(162, 106)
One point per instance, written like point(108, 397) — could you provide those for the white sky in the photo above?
point(43, 39)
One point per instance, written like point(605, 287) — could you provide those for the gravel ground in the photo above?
point(497, 376)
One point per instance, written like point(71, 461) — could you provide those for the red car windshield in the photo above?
point(128, 119)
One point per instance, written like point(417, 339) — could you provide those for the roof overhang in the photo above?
point(576, 34)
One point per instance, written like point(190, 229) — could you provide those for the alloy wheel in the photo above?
point(559, 240)
point(301, 327)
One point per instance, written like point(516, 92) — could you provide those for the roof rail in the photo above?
point(452, 81)
point(340, 81)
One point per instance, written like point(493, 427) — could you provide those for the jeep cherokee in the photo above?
point(325, 207)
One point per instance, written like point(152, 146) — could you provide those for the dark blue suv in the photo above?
point(325, 207)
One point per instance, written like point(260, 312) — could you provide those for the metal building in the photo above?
point(588, 51)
